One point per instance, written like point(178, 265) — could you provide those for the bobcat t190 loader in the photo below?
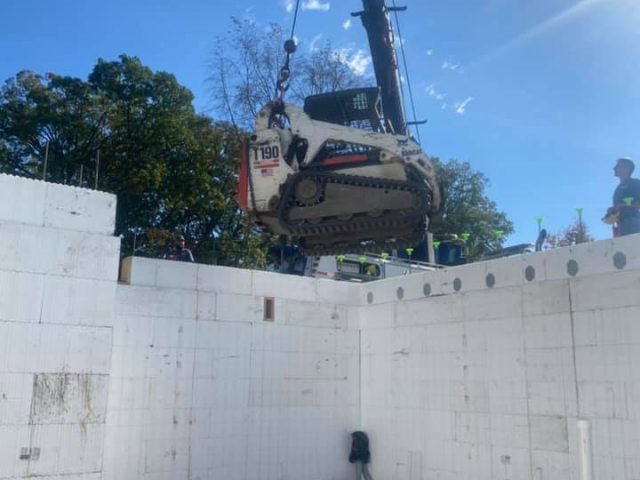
point(341, 175)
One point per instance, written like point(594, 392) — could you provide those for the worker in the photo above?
point(372, 270)
point(179, 252)
point(626, 200)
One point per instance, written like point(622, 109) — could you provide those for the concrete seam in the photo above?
point(31, 424)
point(360, 425)
point(243, 322)
point(68, 276)
point(193, 383)
point(573, 350)
point(526, 384)
point(77, 325)
point(44, 294)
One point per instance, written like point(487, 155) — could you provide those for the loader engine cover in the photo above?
point(333, 188)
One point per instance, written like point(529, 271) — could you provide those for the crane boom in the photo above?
point(375, 19)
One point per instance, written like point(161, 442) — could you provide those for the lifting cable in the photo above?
point(289, 47)
point(295, 18)
point(406, 72)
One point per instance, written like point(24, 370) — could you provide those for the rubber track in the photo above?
point(362, 223)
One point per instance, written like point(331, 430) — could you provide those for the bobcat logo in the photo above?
point(409, 153)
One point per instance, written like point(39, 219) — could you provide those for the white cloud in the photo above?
point(288, 5)
point(447, 65)
point(314, 41)
point(437, 95)
point(347, 24)
point(434, 93)
point(316, 5)
point(357, 61)
point(461, 107)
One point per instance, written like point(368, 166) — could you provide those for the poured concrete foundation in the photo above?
point(520, 368)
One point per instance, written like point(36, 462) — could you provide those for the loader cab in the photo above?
point(357, 108)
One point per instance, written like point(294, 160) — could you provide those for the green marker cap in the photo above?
point(363, 259)
point(409, 251)
point(465, 236)
point(384, 255)
point(436, 244)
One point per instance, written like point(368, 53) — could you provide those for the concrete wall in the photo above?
point(482, 371)
point(202, 387)
point(477, 372)
point(58, 270)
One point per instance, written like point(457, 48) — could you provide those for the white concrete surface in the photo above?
point(492, 381)
point(58, 272)
point(51, 205)
point(485, 371)
point(460, 377)
point(50, 251)
point(203, 387)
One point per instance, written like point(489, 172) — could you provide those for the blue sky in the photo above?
point(540, 95)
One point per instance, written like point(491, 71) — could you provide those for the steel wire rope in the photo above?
point(289, 47)
point(406, 72)
point(295, 19)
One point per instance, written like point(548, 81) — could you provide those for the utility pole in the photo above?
point(46, 159)
point(97, 168)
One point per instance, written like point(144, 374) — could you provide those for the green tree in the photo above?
point(61, 115)
point(172, 170)
point(468, 209)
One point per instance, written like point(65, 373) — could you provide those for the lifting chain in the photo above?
point(289, 47)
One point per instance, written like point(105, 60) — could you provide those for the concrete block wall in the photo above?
point(58, 272)
point(476, 372)
point(483, 371)
point(202, 387)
